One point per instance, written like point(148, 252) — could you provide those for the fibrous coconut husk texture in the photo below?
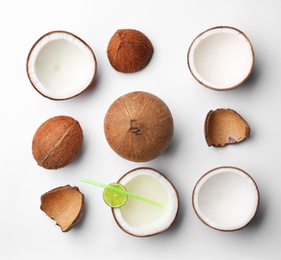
point(225, 126)
point(65, 205)
point(57, 142)
point(129, 50)
point(138, 126)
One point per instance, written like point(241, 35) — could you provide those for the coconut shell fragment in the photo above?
point(57, 142)
point(65, 205)
point(138, 126)
point(225, 126)
point(129, 50)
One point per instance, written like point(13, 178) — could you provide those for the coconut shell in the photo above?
point(225, 126)
point(202, 38)
point(138, 126)
point(57, 142)
point(129, 50)
point(50, 90)
point(65, 205)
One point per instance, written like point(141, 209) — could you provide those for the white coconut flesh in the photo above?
point(226, 198)
point(60, 65)
point(140, 218)
point(221, 58)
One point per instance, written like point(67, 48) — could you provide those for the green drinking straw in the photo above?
point(122, 192)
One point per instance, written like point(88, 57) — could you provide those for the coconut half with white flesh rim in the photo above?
point(142, 219)
point(226, 198)
point(221, 58)
point(60, 65)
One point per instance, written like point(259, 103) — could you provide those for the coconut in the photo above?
point(60, 65)
point(65, 205)
point(57, 142)
point(221, 58)
point(226, 198)
point(138, 126)
point(139, 218)
point(225, 126)
point(129, 50)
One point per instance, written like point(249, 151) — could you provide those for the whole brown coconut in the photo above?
point(57, 142)
point(65, 205)
point(138, 126)
point(129, 50)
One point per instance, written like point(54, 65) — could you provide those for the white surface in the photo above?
point(25, 231)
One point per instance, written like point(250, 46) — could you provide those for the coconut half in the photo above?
point(142, 219)
point(60, 65)
point(129, 50)
point(221, 58)
point(226, 198)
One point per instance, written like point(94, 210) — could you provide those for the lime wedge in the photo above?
point(114, 198)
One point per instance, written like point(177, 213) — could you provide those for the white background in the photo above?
point(27, 233)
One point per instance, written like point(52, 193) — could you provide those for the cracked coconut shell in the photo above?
point(129, 50)
point(138, 126)
point(225, 126)
point(57, 142)
point(65, 205)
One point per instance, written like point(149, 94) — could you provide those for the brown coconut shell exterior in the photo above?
point(57, 142)
point(138, 126)
point(161, 231)
point(129, 50)
point(65, 205)
point(225, 126)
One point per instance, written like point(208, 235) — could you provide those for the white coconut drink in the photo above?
point(142, 219)
point(221, 58)
point(226, 198)
point(60, 65)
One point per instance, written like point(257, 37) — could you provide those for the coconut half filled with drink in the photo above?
point(140, 218)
